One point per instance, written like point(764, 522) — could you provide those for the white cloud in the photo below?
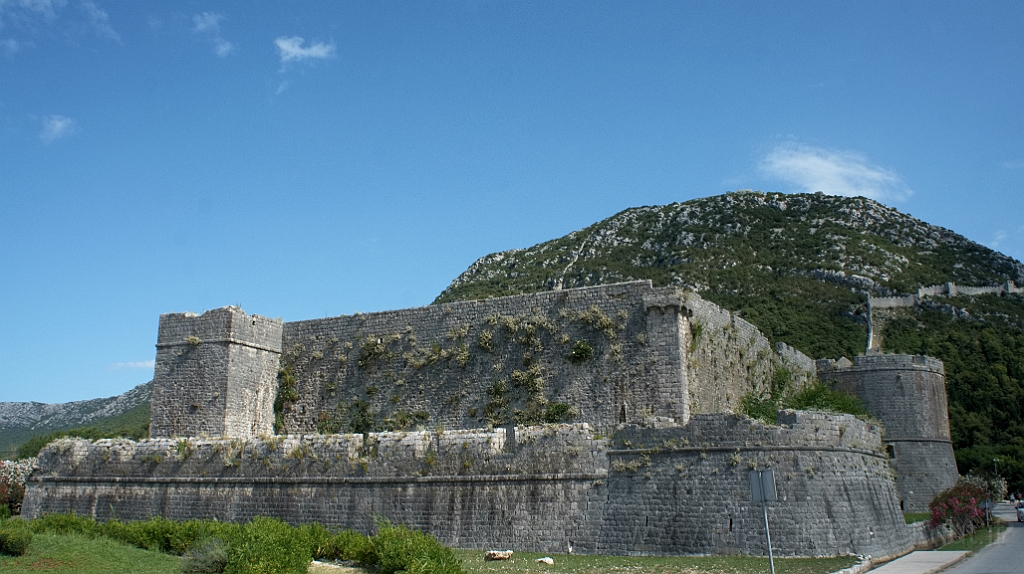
point(833, 172)
point(28, 16)
point(21, 11)
point(133, 365)
point(100, 21)
point(56, 127)
point(291, 50)
point(207, 22)
point(222, 48)
point(10, 46)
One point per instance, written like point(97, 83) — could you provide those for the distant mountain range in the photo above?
point(21, 421)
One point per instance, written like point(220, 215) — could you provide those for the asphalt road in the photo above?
point(1004, 556)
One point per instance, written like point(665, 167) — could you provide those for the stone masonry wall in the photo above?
point(677, 490)
point(729, 357)
point(907, 393)
point(604, 355)
point(215, 374)
point(688, 487)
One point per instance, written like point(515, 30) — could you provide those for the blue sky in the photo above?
point(312, 159)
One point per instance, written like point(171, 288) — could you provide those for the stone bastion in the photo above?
point(667, 491)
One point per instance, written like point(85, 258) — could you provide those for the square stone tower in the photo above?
point(215, 375)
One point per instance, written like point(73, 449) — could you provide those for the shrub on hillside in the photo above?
point(68, 523)
point(820, 396)
point(957, 508)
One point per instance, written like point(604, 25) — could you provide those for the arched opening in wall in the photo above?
point(890, 450)
point(622, 414)
point(730, 524)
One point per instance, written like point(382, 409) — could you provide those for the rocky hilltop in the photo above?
point(20, 421)
point(799, 266)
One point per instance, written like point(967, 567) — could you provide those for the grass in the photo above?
point(912, 517)
point(473, 563)
point(75, 553)
point(981, 538)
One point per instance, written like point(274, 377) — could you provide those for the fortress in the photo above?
point(602, 418)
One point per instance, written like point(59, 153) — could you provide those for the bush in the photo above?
point(817, 396)
point(268, 545)
point(15, 537)
point(401, 549)
point(351, 545)
point(321, 542)
point(957, 508)
point(13, 475)
point(210, 555)
point(66, 524)
point(820, 396)
point(581, 352)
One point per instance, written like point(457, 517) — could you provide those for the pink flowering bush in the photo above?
point(13, 475)
point(957, 508)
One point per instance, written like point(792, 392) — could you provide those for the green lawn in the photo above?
point(912, 517)
point(74, 553)
point(982, 537)
point(473, 562)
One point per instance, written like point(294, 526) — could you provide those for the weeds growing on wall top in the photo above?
point(817, 396)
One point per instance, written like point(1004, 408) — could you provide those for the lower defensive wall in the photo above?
point(665, 491)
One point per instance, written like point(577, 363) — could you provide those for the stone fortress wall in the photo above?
point(470, 393)
point(908, 395)
point(217, 373)
point(649, 354)
point(675, 490)
point(949, 289)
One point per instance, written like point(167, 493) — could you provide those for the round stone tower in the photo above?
point(907, 393)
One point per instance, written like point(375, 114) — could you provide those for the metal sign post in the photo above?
point(762, 489)
point(987, 506)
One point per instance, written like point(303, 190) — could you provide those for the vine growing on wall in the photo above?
point(287, 394)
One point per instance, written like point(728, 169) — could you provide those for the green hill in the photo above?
point(126, 414)
point(801, 268)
